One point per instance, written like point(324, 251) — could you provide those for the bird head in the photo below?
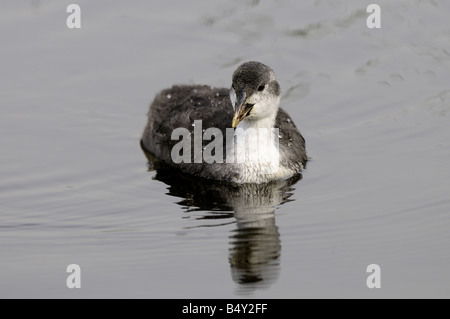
point(255, 93)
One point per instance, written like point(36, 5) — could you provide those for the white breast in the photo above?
point(254, 153)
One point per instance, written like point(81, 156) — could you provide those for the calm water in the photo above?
point(373, 105)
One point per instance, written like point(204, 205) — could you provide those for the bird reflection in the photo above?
point(255, 245)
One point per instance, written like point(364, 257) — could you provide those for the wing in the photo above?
point(180, 106)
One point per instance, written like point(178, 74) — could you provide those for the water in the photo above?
point(373, 105)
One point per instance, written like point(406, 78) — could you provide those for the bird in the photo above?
point(238, 134)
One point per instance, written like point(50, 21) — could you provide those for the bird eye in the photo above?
point(261, 87)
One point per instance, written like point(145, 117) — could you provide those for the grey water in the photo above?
point(75, 187)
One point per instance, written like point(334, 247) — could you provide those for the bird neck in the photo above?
point(264, 123)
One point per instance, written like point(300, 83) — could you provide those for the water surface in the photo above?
point(373, 105)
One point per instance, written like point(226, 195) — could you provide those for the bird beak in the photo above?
point(241, 109)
